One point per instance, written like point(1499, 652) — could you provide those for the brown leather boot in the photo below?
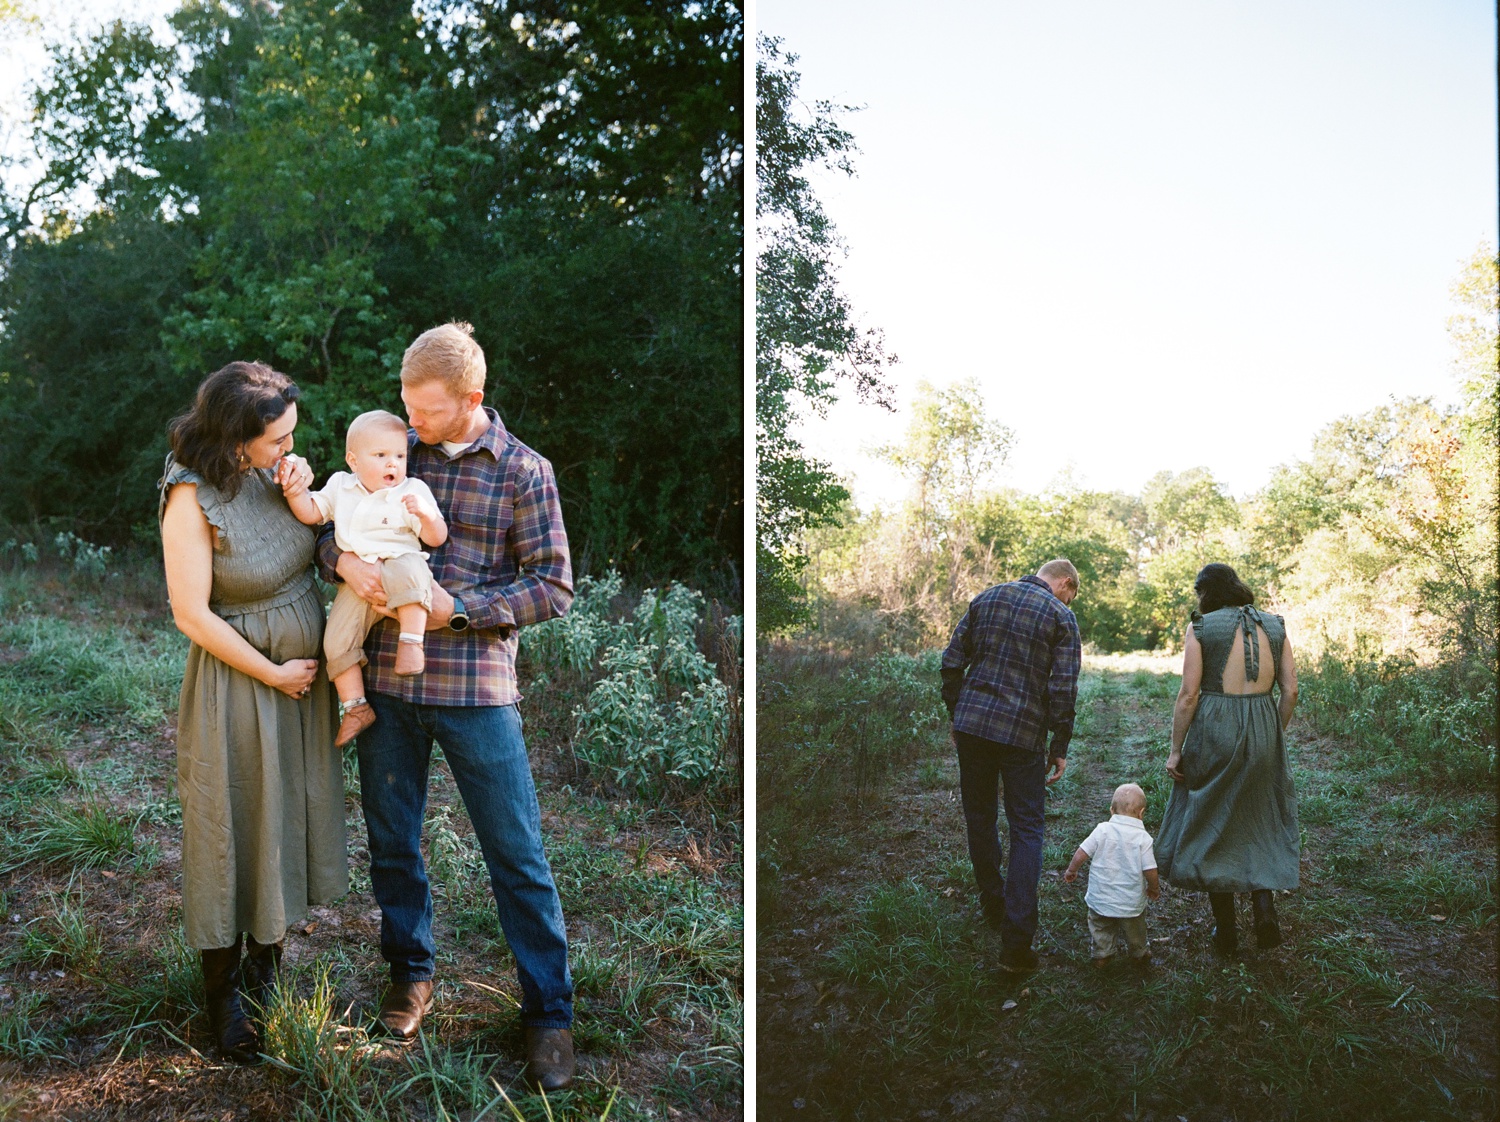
point(262, 974)
point(233, 1032)
point(405, 1004)
point(549, 1058)
point(357, 718)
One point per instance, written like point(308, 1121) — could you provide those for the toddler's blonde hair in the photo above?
point(1128, 798)
point(367, 424)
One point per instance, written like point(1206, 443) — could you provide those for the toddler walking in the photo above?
point(380, 515)
point(1122, 874)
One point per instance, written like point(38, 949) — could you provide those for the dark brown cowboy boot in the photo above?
point(233, 1032)
point(1267, 930)
point(549, 1058)
point(262, 974)
point(405, 1004)
point(1222, 903)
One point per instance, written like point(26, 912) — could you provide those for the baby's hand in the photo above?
point(1070, 875)
point(417, 507)
point(1154, 893)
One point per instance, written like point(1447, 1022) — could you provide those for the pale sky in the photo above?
point(1161, 234)
point(23, 56)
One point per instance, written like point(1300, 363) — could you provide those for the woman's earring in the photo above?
point(244, 460)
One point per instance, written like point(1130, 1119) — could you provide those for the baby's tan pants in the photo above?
point(406, 580)
point(1113, 934)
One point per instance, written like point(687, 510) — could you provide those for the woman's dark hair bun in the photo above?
point(1219, 586)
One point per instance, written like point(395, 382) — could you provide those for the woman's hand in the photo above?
point(294, 474)
point(1174, 766)
point(294, 677)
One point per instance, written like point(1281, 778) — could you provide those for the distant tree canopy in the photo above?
point(1381, 542)
point(314, 182)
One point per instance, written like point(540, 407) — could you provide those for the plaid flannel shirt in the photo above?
point(1010, 673)
point(506, 559)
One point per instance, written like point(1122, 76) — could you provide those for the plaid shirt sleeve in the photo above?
point(1062, 685)
point(955, 662)
point(328, 555)
point(544, 587)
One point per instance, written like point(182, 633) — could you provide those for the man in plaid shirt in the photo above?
point(505, 565)
point(1010, 676)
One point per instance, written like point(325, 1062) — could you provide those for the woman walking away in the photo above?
point(1231, 823)
point(260, 782)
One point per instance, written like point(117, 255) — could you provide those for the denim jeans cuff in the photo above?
point(409, 976)
point(553, 1022)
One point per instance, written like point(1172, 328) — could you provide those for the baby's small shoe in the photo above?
point(357, 717)
point(410, 659)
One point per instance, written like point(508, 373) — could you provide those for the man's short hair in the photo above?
point(367, 424)
point(446, 354)
point(1059, 569)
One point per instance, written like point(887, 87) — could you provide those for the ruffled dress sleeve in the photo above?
point(208, 497)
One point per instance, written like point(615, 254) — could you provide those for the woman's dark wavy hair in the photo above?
point(1219, 586)
point(233, 405)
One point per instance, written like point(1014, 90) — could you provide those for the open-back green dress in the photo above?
point(260, 782)
point(1231, 826)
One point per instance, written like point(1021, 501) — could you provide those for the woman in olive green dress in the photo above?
point(1231, 823)
point(260, 783)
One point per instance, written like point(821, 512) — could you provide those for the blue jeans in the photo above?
point(984, 766)
point(487, 754)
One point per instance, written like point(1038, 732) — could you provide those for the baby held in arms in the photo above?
point(381, 516)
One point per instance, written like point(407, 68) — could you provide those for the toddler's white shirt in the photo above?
point(375, 527)
point(1119, 855)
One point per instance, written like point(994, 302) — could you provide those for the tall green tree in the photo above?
point(807, 336)
point(314, 182)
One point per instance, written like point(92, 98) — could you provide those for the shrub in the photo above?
point(572, 642)
point(1435, 721)
point(660, 716)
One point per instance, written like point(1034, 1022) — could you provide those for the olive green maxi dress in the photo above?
point(1231, 826)
point(260, 782)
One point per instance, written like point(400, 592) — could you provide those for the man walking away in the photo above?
point(1010, 676)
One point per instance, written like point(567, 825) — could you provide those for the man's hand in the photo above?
point(442, 608)
point(1059, 765)
point(363, 577)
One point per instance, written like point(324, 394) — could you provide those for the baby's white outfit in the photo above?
point(375, 526)
point(1119, 854)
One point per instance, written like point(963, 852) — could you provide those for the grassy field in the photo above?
point(879, 994)
point(99, 999)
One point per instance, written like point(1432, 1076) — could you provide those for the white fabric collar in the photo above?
point(1126, 820)
point(353, 484)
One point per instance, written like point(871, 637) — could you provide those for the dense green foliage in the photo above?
point(315, 182)
point(807, 337)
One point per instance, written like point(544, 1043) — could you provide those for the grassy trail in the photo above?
point(100, 1001)
point(880, 996)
